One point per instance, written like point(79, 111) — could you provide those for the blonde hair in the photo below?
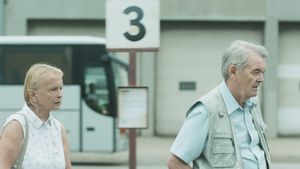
point(33, 76)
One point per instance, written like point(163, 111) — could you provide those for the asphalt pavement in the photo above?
point(153, 152)
point(149, 151)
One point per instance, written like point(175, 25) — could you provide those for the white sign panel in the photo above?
point(132, 107)
point(132, 24)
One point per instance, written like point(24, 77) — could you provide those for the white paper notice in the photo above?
point(132, 106)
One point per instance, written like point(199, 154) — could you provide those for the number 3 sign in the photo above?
point(132, 25)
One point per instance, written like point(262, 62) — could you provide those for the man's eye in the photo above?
point(257, 73)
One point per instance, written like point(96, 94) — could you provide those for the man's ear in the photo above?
point(232, 70)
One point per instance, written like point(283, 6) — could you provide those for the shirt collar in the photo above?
point(230, 102)
point(34, 119)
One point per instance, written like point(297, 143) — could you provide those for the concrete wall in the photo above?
point(213, 10)
point(18, 13)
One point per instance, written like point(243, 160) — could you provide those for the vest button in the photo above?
point(221, 114)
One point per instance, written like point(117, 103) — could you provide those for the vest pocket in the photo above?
point(223, 153)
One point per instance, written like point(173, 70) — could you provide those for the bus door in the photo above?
point(98, 124)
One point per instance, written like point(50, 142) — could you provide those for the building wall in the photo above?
point(192, 32)
point(19, 13)
point(288, 75)
point(213, 10)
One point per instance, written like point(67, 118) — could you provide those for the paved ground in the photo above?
point(123, 167)
point(153, 152)
point(275, 166)
point(285, 150)
point(150, 150)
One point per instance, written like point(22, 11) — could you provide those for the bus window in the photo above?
point(120, 69)
point(15, 60)
point(96, 91)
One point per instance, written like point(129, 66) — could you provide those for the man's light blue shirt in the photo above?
point(192, 137)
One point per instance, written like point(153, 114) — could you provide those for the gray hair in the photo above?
point(238, 53)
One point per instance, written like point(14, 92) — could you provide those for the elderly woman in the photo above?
point(47, 146)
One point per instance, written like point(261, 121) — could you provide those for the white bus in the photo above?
point(90, 72)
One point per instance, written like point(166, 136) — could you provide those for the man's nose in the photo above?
point(260, 78)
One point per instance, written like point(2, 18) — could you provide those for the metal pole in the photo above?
point(2, 12)
point(132, 131)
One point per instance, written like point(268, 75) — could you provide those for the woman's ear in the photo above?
point(33, 96)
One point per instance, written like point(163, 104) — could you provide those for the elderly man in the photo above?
point(224, 128)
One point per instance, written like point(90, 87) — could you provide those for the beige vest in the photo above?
point(222, 150)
